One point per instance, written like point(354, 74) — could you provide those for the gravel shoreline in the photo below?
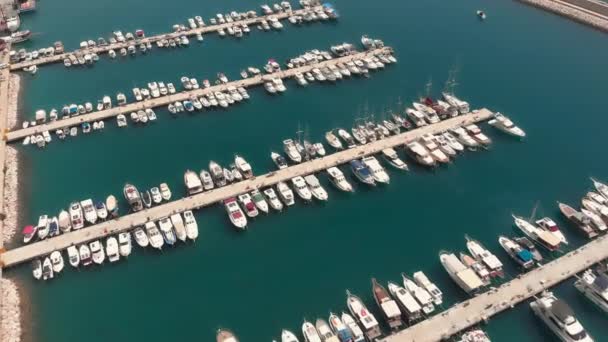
point(569, 12)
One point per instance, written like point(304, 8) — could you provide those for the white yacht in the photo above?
point(288, 336)
point(191, 225)
point(377, 171)
point(462, 275)
point(90, 214)
point(259, 201)
point(429, 113)
point(453, 142)
point(156, 196)
point(337, 178)
point(594, 285)
point(484, 256)
point(390, 155)
point(355, 329)
point(464, 138)
point(291, 151)
point(285, 193)
point(73, 256)
point(370, 325)
point(278, 160)
point(476, 133)
point(463, 107)
point(140, 237)
point(236, 215)
point(407, 303)
point(57, 261)
point(124, 244)
point(550, 226)
point(193, 182)
point(112, 249)
point(423, 281)
point(543, 238)
point(85, 254)
point(154, 235)
point(165, 191)
point(97, 252)
point(207, 180)
point(421, 295)
point(64, 221)
point(333, 141)
point(178, 225)
point(243, 166)
point(43, 226)
point(310, 332)
point(505, 124)
point(416, 117)
point(325, 331)
point(250, 209)
point(272, 198)
point(315, 187)
point(348, 139)
point(420, 154)
point(166, 229)
point(301, 188)
point(559, 317)
point(47, 269)
point(600, 187)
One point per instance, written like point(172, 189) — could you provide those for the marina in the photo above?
point(250, 18)
point(141, 217)
point(143, 105)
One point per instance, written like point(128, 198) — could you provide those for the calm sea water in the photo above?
point(547, 73)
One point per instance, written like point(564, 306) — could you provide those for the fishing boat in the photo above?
point(64, 221)
point(166, 229)
point(85, 254)
point(377, 171)
point(348, 139)
point(310, 332)
point(292, 152)
point(462, 275)
point(529, 245)
point(484, 256)
point(594, 285)
point(559, 318)
point(301, 188)
point(422, 296)
point(355, 329)
point(165, 191)
point(278, 160)
point(390, 155)
point(339, 328)
point(521, 256)
point(37, 269)
point(193, 182)
point(549, 225)
point(543, 238)
point(315, 187)
point(272, 198)
point(423, 281)
point(236, 215)
point(420, 154)
point(582, 222)
point(43, 227)
point(479, 268)
point(124, 244)
point(387, 305)
point(29, 232)
point(191, 225)
point(368, 322)
point(338, 180)
point(154, 235)
point(133, 197)
point(333, 140)
point(285, 193)
point(505, 124)
point(217, 173)
point(362, 172)
point(73, 256)
point(224, 335)
point(243, 166)
point(47, 269)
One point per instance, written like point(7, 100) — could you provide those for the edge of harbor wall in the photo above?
point(569, 12)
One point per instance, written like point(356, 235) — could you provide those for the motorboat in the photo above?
point(133, 197)
point(387, 305)
point(156, 195)
point(428, 141)
point(543, 238)
point(416, 117)
point(407, 303)
point(154, 235)
point(602, 188)
point(207, 180)
point(84, 253)
point(112, 249)
point(333, 140)
point(422, 296)
point(529, 245)
point(259, 201)
point(310, 332)
point(285, 193)
point(423, 281)
point(292, 152)
point(368, 322)
point(29, 232)
point(90, 213)
point(288, 336)
point(520, 255)
point(355, 329)
point(444, 146)
point(420, 154)
point(193, 182)
point(166, 229)
point(478, 267)
point(578, 219)
point(359, 135)
point(64, 221)
point(348, 139)
point(559, 318)
point(377, 171)
point(272, 198)
point(73, 256)
point(278, 160)
point(325, 332)
point(140, 237)
point(476, 133)
point(549, 225)
point(243, 166)
point(452, 142)
point(362, 172)
point(337, 178)
point(462, 275)
point(594, 285)
point(165, 191)
point(97, 252)
point(484, 256)
point(463, 106)
point(301, 188)
point(224, 335)
point(236, 215)
point(505, 124)
point(464, 138)
point(178, 226)
point(339, 328)
point(101, 210)
point(250, 208)
point(43, 226)
point(217, 173)
point(47, 269)
point(390, 155)
point(596, 220)
point(315, 187)
point(191, 225)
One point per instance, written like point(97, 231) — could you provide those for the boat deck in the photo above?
point(486, 305)
point(180, 96)
point(153, 39)
point(111, 227)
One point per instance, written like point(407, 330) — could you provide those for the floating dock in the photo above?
point(589, 12)
point(153, 39)
point(181, 96)
point(112, 227)
point(480, 308)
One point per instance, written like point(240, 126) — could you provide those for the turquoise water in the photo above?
point(536, 67)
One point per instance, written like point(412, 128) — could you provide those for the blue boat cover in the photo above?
point(525, 255)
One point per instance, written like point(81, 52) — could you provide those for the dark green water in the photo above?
point(547, 73)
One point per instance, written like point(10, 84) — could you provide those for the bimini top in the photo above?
point(525, 255)
point(601, 282)
point(562, 311)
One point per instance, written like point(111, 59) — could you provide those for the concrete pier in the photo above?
point(180, 96)
point(22, 254)
point(153, 39)
point(486, 305)
point(589, 12)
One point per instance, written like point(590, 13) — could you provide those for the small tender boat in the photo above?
point(37, 269)
point(28, 233)
point(481, 14)
point(47, 269)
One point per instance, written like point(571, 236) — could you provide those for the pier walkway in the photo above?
point(486, 305)
point(153, 39)
point(111, 227)
point(180, 96)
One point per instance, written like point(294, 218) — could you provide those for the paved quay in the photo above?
point(482, 307)
point(153, 39)
point(589, 12)
point(41, 248)
point(181, 96)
